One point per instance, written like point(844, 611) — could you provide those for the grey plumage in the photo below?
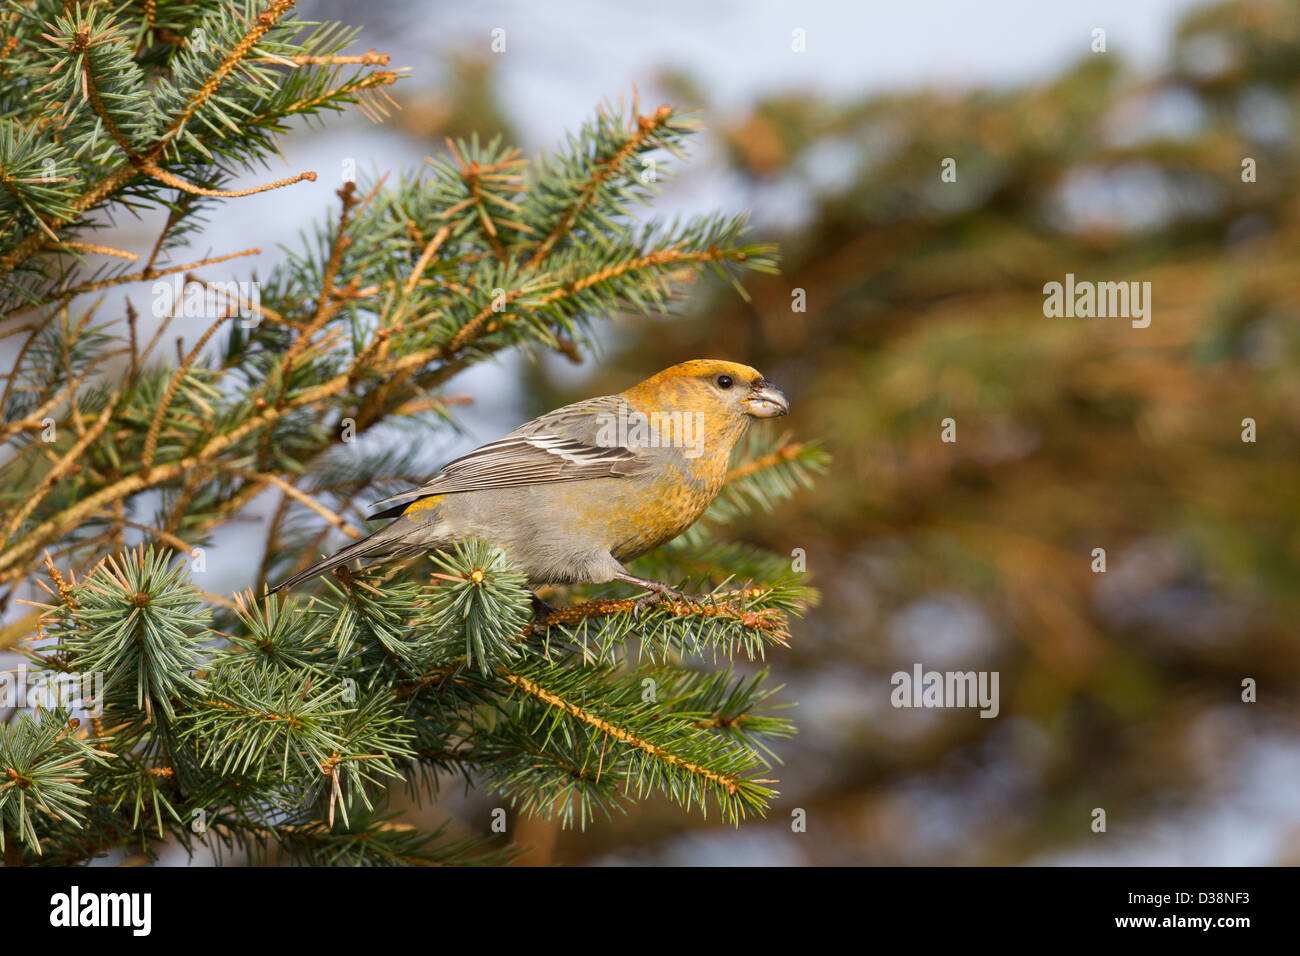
point(564, 445)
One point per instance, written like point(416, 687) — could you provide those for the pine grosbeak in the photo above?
point(574, 494)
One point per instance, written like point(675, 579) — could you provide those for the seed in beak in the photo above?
point(765, 400)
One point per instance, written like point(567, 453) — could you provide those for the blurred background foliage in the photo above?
point(924, 301)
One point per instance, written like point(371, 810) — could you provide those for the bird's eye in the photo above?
point(724, 381)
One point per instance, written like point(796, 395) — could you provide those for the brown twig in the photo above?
point(300, 496)
point(151, 439)
point(769, 620)
point(369, 58)
point(763, 462)
point(66, 463)
point(157, 172)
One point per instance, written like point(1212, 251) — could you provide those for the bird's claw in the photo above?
point(644, 601)
point(654, 597)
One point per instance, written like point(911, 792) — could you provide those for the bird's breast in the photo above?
point(652, 511)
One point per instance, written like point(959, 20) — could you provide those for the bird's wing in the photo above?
point(574, 442)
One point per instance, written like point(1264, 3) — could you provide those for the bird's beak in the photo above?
point(765, 400)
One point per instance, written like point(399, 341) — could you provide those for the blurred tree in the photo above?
point(925, 301)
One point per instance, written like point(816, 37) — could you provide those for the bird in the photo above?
point(575, 494)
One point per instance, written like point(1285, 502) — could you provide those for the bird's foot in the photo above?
point(658, 592)
point(657, 595)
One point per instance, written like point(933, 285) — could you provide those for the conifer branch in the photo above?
point(603, 171)
point(727, 782)
point(144, 274)
point(295, 717)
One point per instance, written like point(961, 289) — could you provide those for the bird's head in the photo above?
point(713, 386)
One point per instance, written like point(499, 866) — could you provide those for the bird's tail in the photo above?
point(373, 544)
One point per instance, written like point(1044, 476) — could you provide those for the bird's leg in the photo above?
point(541, 610)
point(657, 589)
